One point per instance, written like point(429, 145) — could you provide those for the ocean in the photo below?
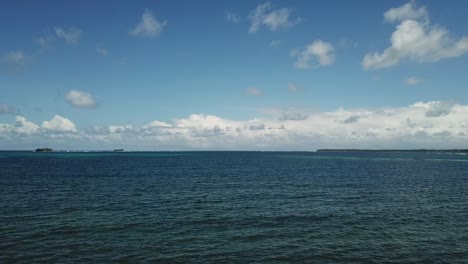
point(233, 207)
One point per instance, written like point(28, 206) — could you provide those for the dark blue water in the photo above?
point(233, 207)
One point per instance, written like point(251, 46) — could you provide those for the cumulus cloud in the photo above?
point(57, 131)
point(7, 109)
point(23, 126)
point(413, 81)
point(274, 19)
point(254, 91)
point(80, 99)
point(415, 39)
point(71, 35)
point(60, 124)
point(435, 108)
point(320, 52)
point(405, 12)
point(233, 18)
point(149, 26)
point(433, 124)
point(157, 123)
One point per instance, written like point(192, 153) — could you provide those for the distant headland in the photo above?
point(396, 150)
point(52, 150)
point(43, 150)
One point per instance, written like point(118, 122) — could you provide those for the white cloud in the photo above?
point(7, 109)
point(435, 108)
point(80, 99)
point(274, 19)
point(25, 131)
point(254, 91)
point(415, 39)
point(101, 50)
point(256, 17)
point(59, 124)
point(405, 12)
point(120, 129)
point(16, 57)
point(233, 18)
point(275, 44)
point(149, 26)
point(23, 126)
point(413, 81)
point(423, 124)
point(156, 124)
point(71, 36)
point(434, 124)
point(321, 52)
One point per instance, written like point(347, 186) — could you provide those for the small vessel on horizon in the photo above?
point(118, 150)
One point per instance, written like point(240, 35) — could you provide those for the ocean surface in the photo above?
point(233, 207)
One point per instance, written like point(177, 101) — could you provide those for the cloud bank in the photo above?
point(433, 124)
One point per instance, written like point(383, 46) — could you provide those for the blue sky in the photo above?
point(233, 74)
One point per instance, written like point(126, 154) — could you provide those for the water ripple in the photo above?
point(233, 207)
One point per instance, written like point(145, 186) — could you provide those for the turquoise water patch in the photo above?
point(316, 157)
point(383, 157)
point(459, 160)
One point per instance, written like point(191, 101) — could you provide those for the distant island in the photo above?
point(118, 150)
point(395, 150)
point(43, 150)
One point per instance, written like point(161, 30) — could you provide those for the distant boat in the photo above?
point(43, 150)
point(118, 150)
